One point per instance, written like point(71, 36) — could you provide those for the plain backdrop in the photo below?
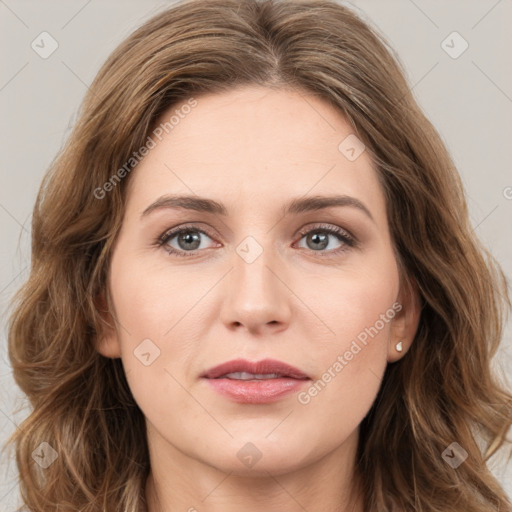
point(466, 92)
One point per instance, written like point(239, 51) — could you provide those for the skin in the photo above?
point(254, 149)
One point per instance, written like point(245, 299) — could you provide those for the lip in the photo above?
point(263, 366)
point(256, 391)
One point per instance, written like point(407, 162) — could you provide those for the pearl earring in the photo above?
point(399, 347)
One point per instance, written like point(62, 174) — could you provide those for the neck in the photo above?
point(329, 484)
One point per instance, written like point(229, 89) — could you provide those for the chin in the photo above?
point(258, 458)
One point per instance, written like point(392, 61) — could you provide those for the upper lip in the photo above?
point(256, 367)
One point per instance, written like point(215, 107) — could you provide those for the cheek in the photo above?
point(335, 404)
point(149, 299)
point(352, 368)
point(358, 308)
point(142, 307)
point(158, 339)
point(350, 301)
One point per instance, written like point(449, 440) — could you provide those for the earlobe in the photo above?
point(106, 341)
point(405, 324)
point(108, 346)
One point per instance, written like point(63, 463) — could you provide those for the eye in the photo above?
point(188, 239)
point(318, 238)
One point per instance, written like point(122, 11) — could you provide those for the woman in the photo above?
point(253, 370)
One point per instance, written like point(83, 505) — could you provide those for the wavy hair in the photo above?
point(442, 391)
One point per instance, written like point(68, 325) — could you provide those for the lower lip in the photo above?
point(256, 391)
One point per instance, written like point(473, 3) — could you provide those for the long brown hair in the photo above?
point(442, 391)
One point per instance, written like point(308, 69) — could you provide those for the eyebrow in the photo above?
point(294, 207)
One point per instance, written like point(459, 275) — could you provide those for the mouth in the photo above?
point(255, 382)
point(252, 376)
point(241, 369)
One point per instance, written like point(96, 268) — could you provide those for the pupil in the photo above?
point(316, 237)
point(190, 238)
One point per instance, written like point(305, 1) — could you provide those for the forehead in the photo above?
point(253, 143)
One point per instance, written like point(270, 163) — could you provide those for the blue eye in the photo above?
point(189, 237)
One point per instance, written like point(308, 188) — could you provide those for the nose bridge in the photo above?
point(254, 291)
point(254, 256)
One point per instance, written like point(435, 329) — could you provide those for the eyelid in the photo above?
point(169, 233)
point(332, 228)
point(345, 236)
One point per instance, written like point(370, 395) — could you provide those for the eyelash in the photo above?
point(341, 234)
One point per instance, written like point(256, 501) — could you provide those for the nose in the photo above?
point(257, 296)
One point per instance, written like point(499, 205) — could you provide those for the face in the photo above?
point(317, 289)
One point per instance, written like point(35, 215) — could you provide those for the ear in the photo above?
point(107, 340)
point(405, 323)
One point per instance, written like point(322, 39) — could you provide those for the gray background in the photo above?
point(468, 98)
